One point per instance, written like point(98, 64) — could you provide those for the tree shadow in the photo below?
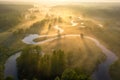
point(49, 28)
point(87, 48)
point(58, 41)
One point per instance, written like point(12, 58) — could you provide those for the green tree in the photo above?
point(57, 78)
point(35, 79)
point(69, 74)
point(9, 78)
point(50, 25)
point(28, 62)
point(58, 63)
point(83, 77)
point(44, 67)
point(60, 19)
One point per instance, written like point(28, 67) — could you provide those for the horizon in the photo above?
point(59, 1)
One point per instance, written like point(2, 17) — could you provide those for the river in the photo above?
point(101, 73)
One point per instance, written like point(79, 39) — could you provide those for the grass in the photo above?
point(11, 15)
point(114, 70)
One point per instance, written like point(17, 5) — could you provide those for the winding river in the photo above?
point(10, 66)
point(101, 73)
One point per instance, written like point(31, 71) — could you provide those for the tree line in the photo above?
point(34, 65)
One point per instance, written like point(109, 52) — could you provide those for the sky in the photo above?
point(64, 0)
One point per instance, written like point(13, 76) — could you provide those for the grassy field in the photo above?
point(11, 15)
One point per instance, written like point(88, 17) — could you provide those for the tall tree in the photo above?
point(28, 62)
point(69, 74)
point(58, 63)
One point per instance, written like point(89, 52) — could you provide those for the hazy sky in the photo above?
point(64, 0)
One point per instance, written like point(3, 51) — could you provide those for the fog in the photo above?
point(58, 1)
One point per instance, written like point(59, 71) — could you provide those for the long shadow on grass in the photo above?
point(88, 49)
point(58, 43)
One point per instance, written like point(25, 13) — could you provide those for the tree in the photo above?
point(69, 59)
point(49, 26)
point(9, 78)
point(44, 67)
point(35, 79)
point(57, 78)
point(70, 17)
point(60, 19)
point(69, 74)
point(58, 63)
point(83, 77)
point(28, 62)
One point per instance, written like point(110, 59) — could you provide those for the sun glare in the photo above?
point(58, 1)
point(52, 0)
